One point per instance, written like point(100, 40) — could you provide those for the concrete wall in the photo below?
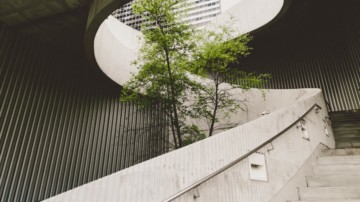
point(250, 14)
point(255, 103)
point(115, 47)
point(161, 177)
point(290, 191)
point(288, 157)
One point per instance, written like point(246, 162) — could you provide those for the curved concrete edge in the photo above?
point(99, 11)
point(163, 176)
point(113, 52)
point(250, 15)
point(115, 48)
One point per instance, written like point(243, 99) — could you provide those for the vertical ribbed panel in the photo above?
point(300, 53)
point(60, 126)
point(338, 75)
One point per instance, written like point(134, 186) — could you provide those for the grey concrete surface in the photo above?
point(340, 200)
point(337, 169)
point(290, 189)
point(161, 177)
point(58, 23)
point(339, 160)
point(335, 178)
point(329, 193)
point(334, 181)
point(340, 152)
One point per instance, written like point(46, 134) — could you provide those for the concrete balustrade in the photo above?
point(161, 177)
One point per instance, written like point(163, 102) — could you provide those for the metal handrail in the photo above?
point(199, 182)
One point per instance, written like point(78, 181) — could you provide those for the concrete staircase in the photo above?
point(346, 126)
point(336, 178)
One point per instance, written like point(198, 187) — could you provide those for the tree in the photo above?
point(171, 50)
point(161, 62)
point(216, 51)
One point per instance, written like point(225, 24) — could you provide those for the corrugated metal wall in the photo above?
point(313, 46)
point(335, 71)
point(61, 126)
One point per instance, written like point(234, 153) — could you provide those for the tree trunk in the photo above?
point(213, 118)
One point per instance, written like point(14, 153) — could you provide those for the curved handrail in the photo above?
point(199, 182)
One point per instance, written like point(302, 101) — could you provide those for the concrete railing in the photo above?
point(166, 175)
point(202, 181)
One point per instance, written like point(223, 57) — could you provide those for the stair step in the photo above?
point(345, 113)
point(344, 118)
point(344, 145)
point(340, 152)
point(347, 127)
point(329, 193)
point(341, 118)
point(339, 160)
point(347, 139)
point(354, 200)
point(333, 181)
point(337, 170)
point(352, 140)
point(346, 134)
point(342, 132)
point(346, 121)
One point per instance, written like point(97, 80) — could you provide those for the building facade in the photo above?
point(199, 13)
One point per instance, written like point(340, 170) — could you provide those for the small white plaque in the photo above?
point(257, 166)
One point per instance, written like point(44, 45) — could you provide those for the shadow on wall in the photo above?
point(313, 46)
point(62, 124)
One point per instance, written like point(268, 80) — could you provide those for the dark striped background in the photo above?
point(316, 44)
point(61, 125)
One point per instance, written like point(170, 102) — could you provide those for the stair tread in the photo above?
point(331, 193)
point(345, 145)
point(347, 136)
point(350, 140)
point(337, 169)
point(339, 200)
point(345, 113)
point(346, 127)
point(343, 132)
point(333, 181)
point(339, 160)
point(340, 152)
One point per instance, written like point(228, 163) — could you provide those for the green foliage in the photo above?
point(162, 66)
point(192, 133)
point(171, 50)
point(216, 51)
